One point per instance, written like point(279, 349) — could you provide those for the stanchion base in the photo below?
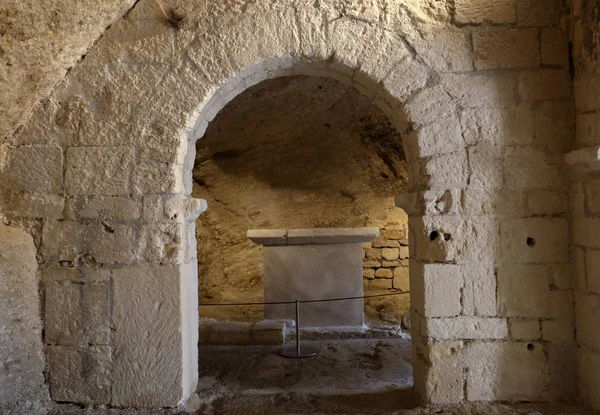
point(305, 351)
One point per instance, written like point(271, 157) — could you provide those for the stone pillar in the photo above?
point(22, 387)
point(311, 264)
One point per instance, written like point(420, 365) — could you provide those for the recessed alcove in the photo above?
point(299, 152)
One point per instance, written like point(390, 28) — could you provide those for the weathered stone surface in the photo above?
point(35, 169)
point(492, 367)
point(465, 328)
point(230, 332)
point(501, 48)
point(21, 352)
point(527, 330)
point(534, 240)
point(98, 170)
point(80, 374)
point(133, 104)
point(77, 313)
point(40, 44)
point(147, 311)
point(523, 291)
point(480, 11)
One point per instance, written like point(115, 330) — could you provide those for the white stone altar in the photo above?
point(312, 264)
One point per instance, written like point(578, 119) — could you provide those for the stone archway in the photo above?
point(101, 176)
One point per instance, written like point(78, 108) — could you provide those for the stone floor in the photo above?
point(372, 376)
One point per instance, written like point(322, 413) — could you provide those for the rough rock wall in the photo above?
point(22, 384)
point(101, 174)
point(39, 42)
point(294, 152)
point(585, 199)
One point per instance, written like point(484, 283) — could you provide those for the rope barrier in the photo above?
point(324, 300)
point(306, 351)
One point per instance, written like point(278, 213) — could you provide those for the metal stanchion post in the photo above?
point(306, 351)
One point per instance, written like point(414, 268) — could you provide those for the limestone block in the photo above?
point(444, 381)
point(77, 313)
point(379, 285)
point(586, 232)
point(401, 279)
point(146, 311)
point(80, 374)
point(523, 291)
point(445, 50)
point(435, 289)
point(465, 328)
point(562, 368)
point(591, 190)
point(23, 387)
point(589, 367)
point(35, 169)
point(75, 275)
point(527, 168)
point(230, 332)
point(98, 170)
point(446, 171)
point(403, 253)
point(580, 268)
point(554, 126)
point(371, 263)
point(162, 242)
point(498, 126)
point(441, 137)
point(479, 289)
point(547, 202)
point(390, 254)
point(481, 91)
point(384, 273)
point(535, 13)
point(34, 205)
point(486, 167)
point(587, 310)
point(586, 92)
point(104, 207)
point(307, 272)
point(593, 270)
point(382, 242)
point(534, 240)
point(554, 48)
point(408, 77)
point(561, 330)
point(369, 273)
point(499, 201)
point(524, 330)
point(372, 253)
point(73, 242)
point(492, 368)
point(430, 105)
point(268, 332)
point(506, 48)
point(588, 130)
point(561, 277)
point(482, 11)
point(544, 84)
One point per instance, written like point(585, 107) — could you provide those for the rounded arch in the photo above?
point(116, 139)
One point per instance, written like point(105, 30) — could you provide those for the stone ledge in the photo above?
point(312, 236)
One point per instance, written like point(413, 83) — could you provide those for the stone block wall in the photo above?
point(101, 175)
point(584, 196)
point(385, 270)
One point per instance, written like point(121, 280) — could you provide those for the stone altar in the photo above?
point(312, 264)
